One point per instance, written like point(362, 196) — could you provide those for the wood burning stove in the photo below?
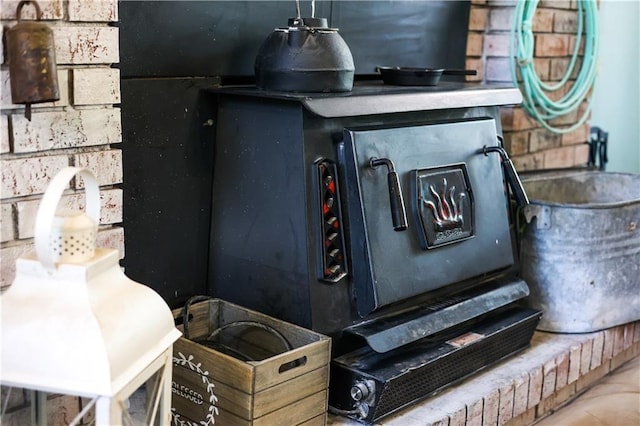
point(380, 217)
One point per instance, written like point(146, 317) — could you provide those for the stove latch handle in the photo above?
point(512, 176)
point(398, 211)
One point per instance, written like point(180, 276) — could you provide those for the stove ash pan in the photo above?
point(581, 249)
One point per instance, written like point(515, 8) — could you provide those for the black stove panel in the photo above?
point(469, 237)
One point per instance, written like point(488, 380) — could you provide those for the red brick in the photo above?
point(585, 357)
point(66, 129)
point(622, 358)
point(562, 370)
point(521, 395)
point(522, 120)
point(574, 363)
point(474, 413)
point(558, 67)
point(628, 336)
point(559, 158)
point(542, 139)
point(542, 67)
point(498, 70)
point(62, 408)
point(502, 3)
point(581, 155)
point(29, 176)
point(543, 21)
point(459, 418)
point(564, 394)
point(607, 351)
point(535, 387)
point(491, 407)
point(528, 162)
point(588, 379)
point(505, 410)
point(5, 145)
point(549, 373)
point(474, 44)
point(93, 11)
point(570, 118)
point(496, 45)
point(106, 165)
point(578, 136)
point(86, 44)
point(524, 419)
point(112, 238)
point(500, 19)
point(555, 4)
point(8, 256)
point(478, 18)
point(506, 117)
point(7, 226)
point(565, 21)
point(596, 350)
point(559, 93)
point(475, 64)
point(572, 45)
point(551, 45)
point(517, 143)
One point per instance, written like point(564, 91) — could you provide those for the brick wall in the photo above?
point(82, 129)
point(531, 146)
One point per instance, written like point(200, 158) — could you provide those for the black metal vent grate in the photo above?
point(454, 367)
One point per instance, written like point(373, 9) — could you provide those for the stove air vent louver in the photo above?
point(334, 265)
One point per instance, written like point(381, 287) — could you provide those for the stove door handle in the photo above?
point(398, 211)
point(512, 176)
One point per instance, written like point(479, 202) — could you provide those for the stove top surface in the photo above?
point(374, 97)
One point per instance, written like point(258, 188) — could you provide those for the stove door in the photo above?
point(456, 204)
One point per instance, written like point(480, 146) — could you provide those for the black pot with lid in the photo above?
point(305, 56)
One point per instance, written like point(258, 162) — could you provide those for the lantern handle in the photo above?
point(49, 204)
point(25, 2)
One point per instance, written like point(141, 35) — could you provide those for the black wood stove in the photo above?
point(381, 217)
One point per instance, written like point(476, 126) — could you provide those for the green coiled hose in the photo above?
point(535, 92)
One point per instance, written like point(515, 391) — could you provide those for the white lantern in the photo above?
point(73, 323)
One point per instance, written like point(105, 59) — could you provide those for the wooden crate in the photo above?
point(212, 387)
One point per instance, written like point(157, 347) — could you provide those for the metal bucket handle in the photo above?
point(25, 2)
point(49, 204)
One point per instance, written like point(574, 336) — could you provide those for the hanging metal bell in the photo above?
point(32, 61)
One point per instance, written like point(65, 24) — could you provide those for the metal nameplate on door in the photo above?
point(445, 205)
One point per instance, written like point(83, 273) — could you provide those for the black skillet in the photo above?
point(407, 76)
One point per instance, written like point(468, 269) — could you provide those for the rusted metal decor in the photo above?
point(32, 61)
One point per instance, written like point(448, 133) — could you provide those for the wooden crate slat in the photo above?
point(223, 368)
point(320, 420)
point(267, 372)
point(290, 391)
point(297, 412)
point(184, 401)
point(227, 418)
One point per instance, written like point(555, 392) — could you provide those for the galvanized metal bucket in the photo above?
point(580, 250)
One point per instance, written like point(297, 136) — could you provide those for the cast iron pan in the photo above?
point(406, 76)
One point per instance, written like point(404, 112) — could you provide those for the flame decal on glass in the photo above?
point(447, 212)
